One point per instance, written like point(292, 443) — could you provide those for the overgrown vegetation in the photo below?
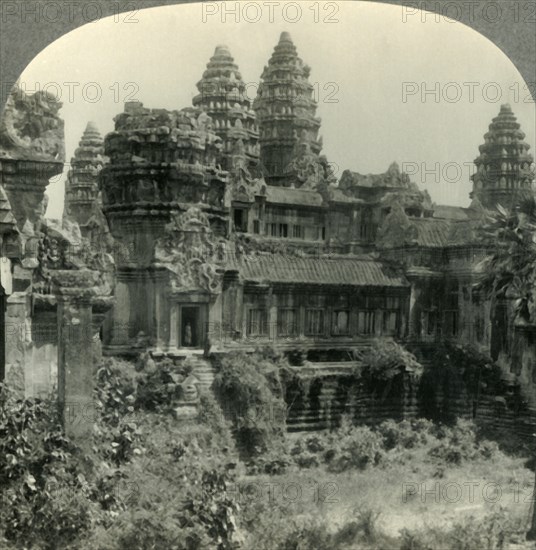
point(250, 390)
point(154, 481)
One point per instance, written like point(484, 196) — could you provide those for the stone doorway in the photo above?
point(191, 326)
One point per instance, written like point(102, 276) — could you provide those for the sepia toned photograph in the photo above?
point(267, 276)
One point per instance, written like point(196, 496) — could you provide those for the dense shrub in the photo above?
point(384, 361)
point(250, 392)
point(406, 434)
point(45, 497)
point(358, 447)
point(355, 448)
point(460, 443)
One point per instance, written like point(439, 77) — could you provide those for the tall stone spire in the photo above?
point(223, 96)
point(503, 168)
point(286, 110)
point(81, 188)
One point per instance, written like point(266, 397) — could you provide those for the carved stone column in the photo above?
point(77, 293)
point(75, 367)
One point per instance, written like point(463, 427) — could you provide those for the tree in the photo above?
point(510, 272)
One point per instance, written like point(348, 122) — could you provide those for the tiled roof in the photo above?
point(299, 197)
point(340, 270)
point(450, 212)
point(337, 195)
point(431, 232)
point(7, 220)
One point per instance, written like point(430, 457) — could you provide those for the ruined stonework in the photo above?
point(221, 227)
point(161, 164)
point(31, 152)
point(45, 270)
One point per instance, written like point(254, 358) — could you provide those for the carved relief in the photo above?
point(191, 252)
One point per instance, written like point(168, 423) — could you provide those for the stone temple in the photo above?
point(221, 227)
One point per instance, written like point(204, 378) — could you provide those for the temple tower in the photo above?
point(82, 198)
point(504, 173)
point(285, 109)
point(223, 96)
point(162, 163)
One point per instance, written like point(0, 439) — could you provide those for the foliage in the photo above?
point(356, 447)
point(407, 434)
point(351, 448)
point(477, 369)
point(459, 444)
point(45, 499)
point(160, 390)
point(115, 394)
point(250, 391)
point(492, 532)
point(510, 272)
point(385, 361)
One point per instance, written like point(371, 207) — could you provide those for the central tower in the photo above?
point(285, 109)
point(223, 96)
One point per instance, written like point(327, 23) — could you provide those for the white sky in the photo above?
point(361, 62)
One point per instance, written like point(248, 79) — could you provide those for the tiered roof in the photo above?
point(286, 109)
point(81, 188)
point(504, 165)
point(223, 96)
point(332, 270)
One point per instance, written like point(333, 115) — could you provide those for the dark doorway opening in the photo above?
point(191, 327)
point(240, 218)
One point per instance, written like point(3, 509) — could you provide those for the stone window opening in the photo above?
point(366, 321)
point(314, 322)
point(429, 324)
point(257, 322)
point(340, 326)
point(287, 322)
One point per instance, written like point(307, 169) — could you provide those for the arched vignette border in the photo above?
point(21, 40)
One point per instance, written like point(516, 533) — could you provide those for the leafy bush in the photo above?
point(459, 443)
point(385, 360)
point(406, 434)
point(355, 448)
point(45, 500)
point(250, 391)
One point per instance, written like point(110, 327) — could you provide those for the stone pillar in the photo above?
point(75, 368)
point(414, 323)
point(232, 305)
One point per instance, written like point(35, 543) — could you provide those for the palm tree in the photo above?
point(511, 269)
point(510, 272)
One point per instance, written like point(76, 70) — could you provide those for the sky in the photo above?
point(391, 85)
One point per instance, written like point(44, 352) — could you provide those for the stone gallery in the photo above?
point(221, 226)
